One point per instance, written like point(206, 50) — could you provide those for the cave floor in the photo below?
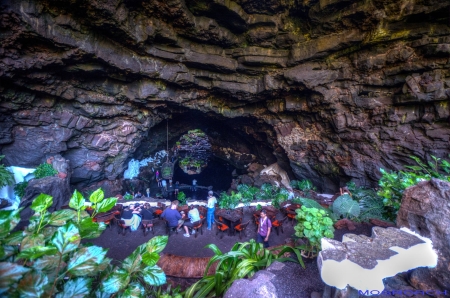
point(122, 246)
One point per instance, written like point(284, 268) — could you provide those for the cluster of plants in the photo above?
point(242, 261)
point(48, 259)
point(313, 224)
point(229, 201)
point(181, 197)
point(393, 184)
point(6, 176)
point(190, 162)
point(44, 170)
point(19, 188)
point(246, 194)
point(303, 185)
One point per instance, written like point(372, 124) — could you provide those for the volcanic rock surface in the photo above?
point(332, 90)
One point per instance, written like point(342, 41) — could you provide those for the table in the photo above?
point(233, 216)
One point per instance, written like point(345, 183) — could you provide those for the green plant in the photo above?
point(128, 196)
point(169, 292)
point(258, 207)
point(370, 203)
point(44, 170)
point(314, 225)
point(247, 193)
point(229, 201)
point(303, 185)
point(266, 192)
point(344, 206)
point(48, 259)
point(88, 228)
point(19, 188)
point(181, 197)
point(243, 260)
point(6, 176)
point(281, 196)
point(393, 184)
point(184, 162)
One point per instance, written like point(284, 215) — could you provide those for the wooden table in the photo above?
point(233, 216)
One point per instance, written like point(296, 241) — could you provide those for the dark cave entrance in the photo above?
point(217, 174)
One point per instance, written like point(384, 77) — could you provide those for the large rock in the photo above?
point(367, 261)
point(56, 187)
point(279, 280)
point(425, 209)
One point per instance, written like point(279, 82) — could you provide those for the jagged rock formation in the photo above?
point(332, 90)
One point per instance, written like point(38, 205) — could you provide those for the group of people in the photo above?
point(134, 214)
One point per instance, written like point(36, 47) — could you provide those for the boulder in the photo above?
point(368, 260)
point(345, 223)
point(56, 187)
point(276, 281)
point(425, 209)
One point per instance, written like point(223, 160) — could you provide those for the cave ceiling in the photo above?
point(332, 90)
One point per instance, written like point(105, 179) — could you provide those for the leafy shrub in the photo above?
point(229, 201)
point(266, 192)
point(393, 184)
point(128, 196)
point(247, 193)
point(6, 176)
point(308, 203)
point(314, 225)
point(303, 185)
point(243, 260)
point(281, 196)
point(181, 197)
point(48, 259)
point(44, 170)
point(19, 188)
point(344, 206)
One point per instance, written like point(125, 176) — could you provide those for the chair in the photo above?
point(291, 215)
point(170, 229)
point(278, 223)
point(241, 228)
point(198, 225)
point(147, 225)
point(221, 227)
point(107, 217)
point(123, 226)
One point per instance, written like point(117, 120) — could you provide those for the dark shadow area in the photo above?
point(217, 174)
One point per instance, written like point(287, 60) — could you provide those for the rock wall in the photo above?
point(332, 90)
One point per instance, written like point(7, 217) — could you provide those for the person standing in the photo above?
point(157, 175)
point(164, 184)
point(194, 185)
point(211, 207)
point(177, 188)
point(265, 226)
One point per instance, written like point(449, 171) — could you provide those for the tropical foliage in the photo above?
point(313, 224)
point(393, 184)
point(303, 185)
point(6, 176)
point(243, 260)
point(48, 259)
point(345, 207)
point(19, 188)
point(181, 197)
point(44, 170)
point(247, 192)
point(229, 201)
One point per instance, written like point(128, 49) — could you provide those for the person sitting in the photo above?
point(194, 216)
point(172, 216)
point(147, 212)
point(138, 195)
point(132, 217)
